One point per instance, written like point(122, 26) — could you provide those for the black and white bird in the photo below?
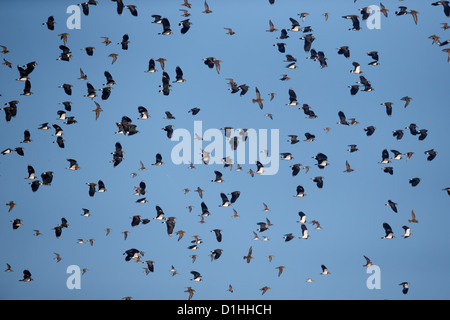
point(423, 133)
point(131, 254)
point(262, 226)
point(169, 130)
point(158, 161)
point(309, 137)
point(412, 129)
point(205, 210)
point(196, 276)
point(47, 178)
point(166, 27)
point(10, 110)
point(157, 19)
point(67, 88)
point(16, 223)
point(388, 106)
point(292, 98)
point(125, 41)
point(366, 83)
point(89, 50)
point(215, 254)
point(179, 75)
point(27, 89)
point(318, 181)
point(91, 188)
point(218, 234)
point(170, 225)
point(143, 113)
point(398, 134)
point(431, 154)
point(385, 157)
point(405, 287)
point(286, 156)
point(407, 232)
point(169, 115)
point(355, 22)
point(283, 35)
point(60, 141)
point(109, 79)
point(342, 118)
point(324, 270)
point(308, 40)
point(259, 167)
point(302, 216)
point(151, 66)
point(159, 213)
point(101, 186)
point(353, 148)
point(308, 111)
point(281, 46)
point(305, 234)
point(26, 276)
point(7, 151)
point(356, 68)
point(185, 26)
point(344, 50)
point(402, 10)
point(58, 231)
point(234, 196)
point(66, 54)
point(25, 71)
point(354, 89)
point(135, 220)
point(389, 234)
point(73, 164)
point(288, 237)
point(322, 160)
point(393, 205)
point(300, 192)
point(444, 4)
point(414, 181)
point(90, 91)
point(322, 59)
point(225, 201)
point(295, 25)
point(397, 154)
point(295, 169)
point(374, 55)
point(218, 178)
point(369, 130)
point(31, 173)
point(50, 23)
point(194, 111)
point(35, 185)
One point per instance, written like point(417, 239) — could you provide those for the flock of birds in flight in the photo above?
point(127, 127)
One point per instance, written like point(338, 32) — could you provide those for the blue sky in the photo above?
point(350, 208)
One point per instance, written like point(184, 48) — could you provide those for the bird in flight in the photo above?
point(230, 31)
point(271, 27)
point(114, 57)
point(207, 10)
point(97, 110)
point(11, 205)
point(249, 256)
point(191, 292)
point(258, 99)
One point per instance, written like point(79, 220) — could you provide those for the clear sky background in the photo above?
point(350, 207)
